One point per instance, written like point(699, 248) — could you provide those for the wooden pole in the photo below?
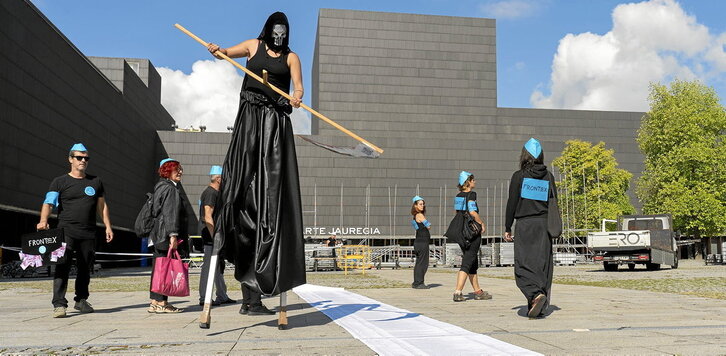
point(277, 90)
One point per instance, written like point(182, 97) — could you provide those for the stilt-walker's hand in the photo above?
point(282, 317)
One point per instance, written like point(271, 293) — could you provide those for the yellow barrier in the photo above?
point(354, 257)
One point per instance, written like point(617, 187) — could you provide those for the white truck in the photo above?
point(641, 239)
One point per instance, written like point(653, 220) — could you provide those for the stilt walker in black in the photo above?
point(259, 221)
point(421, 243)
point(529, 191)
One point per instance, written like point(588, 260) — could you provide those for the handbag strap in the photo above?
point(175, 254)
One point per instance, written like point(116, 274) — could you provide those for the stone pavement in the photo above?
point(583, 320)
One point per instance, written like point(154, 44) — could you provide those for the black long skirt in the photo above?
point(259, 219)
point(533, 263)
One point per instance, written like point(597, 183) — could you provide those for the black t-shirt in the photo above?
point(462, 199)
point(77, 204)
point(208, 198)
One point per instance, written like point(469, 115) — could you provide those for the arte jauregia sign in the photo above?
point(348, 230)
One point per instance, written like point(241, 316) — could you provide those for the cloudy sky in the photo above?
point(573, 54)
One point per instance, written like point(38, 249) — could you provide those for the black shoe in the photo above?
point(259, 310)
point(420, 286)
point(228, 301)
point(244, 309)
point(214, 302)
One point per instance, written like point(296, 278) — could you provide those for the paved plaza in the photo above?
point(582, 320)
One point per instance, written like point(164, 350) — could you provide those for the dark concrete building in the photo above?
point(52, 96)
point(421, 87)
point(424, 89)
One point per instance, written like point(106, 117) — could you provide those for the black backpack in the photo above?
point(145, 220)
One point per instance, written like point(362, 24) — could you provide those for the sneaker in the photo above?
point(482, 295)
point(228, 301)
point(259, 310)
point(458, 297)
point(244, 309)
point(83, 306)
point(420, 286)
point(59, 312)
point(537, 303)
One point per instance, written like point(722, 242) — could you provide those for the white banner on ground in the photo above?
point(389, 330)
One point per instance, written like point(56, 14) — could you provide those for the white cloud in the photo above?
point(509, 9)
point(209, 96)
point(651, 41)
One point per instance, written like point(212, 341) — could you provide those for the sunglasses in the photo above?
point(82, 158)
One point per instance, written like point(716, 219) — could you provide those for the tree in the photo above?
point(591, 188)
point(682, 138)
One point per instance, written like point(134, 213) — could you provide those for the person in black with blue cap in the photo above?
point(529, 191)
point(465, 204)
point(421, 243)
point(78, 196)
point(259, 220)
point(207, 203)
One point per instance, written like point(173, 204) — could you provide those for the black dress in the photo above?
point(533, 265)
point(421, 251)
point(469, 249)
point(259, 221)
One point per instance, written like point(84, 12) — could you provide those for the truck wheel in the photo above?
point(631, 266)
point(610, 267)
point(652, 266)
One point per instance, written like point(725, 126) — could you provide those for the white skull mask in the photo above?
point(279, 32)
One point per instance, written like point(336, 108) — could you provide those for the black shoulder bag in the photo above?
point(471, 229)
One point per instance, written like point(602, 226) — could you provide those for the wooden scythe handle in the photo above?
point(277, 90)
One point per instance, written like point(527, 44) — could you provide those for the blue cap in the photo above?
point(167, 160)
point(463, 176)
point(216, 170)
point(417, 198)
point(533, 147)
point(78, 147)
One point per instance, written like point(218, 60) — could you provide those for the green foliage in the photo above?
point(592, 187)
point(682, 138)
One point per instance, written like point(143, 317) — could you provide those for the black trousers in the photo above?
point(421, 251)
point(533, 265)
point(250, 296)
point(84, 251)
point(156, 253)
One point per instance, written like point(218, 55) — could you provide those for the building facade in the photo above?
point(424, 89)
point(52, 96)
point(421, 87)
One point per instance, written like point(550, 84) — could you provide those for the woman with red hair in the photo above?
point(170, 225)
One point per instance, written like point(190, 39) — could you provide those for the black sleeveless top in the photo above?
point(422, 233)
point(277, 69)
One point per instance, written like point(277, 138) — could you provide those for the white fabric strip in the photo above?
point(389, 330)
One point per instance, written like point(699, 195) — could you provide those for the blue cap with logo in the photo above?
point(417, 198)
point(463, 176)
point(78, 147)
point(215, 170)
point(533, 147)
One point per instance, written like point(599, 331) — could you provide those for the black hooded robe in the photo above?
point(259, 222)
point(533, 264)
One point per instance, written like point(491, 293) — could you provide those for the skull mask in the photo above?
point(276, 33)
point(279, 32)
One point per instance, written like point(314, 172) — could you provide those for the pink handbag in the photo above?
point(171, 276)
